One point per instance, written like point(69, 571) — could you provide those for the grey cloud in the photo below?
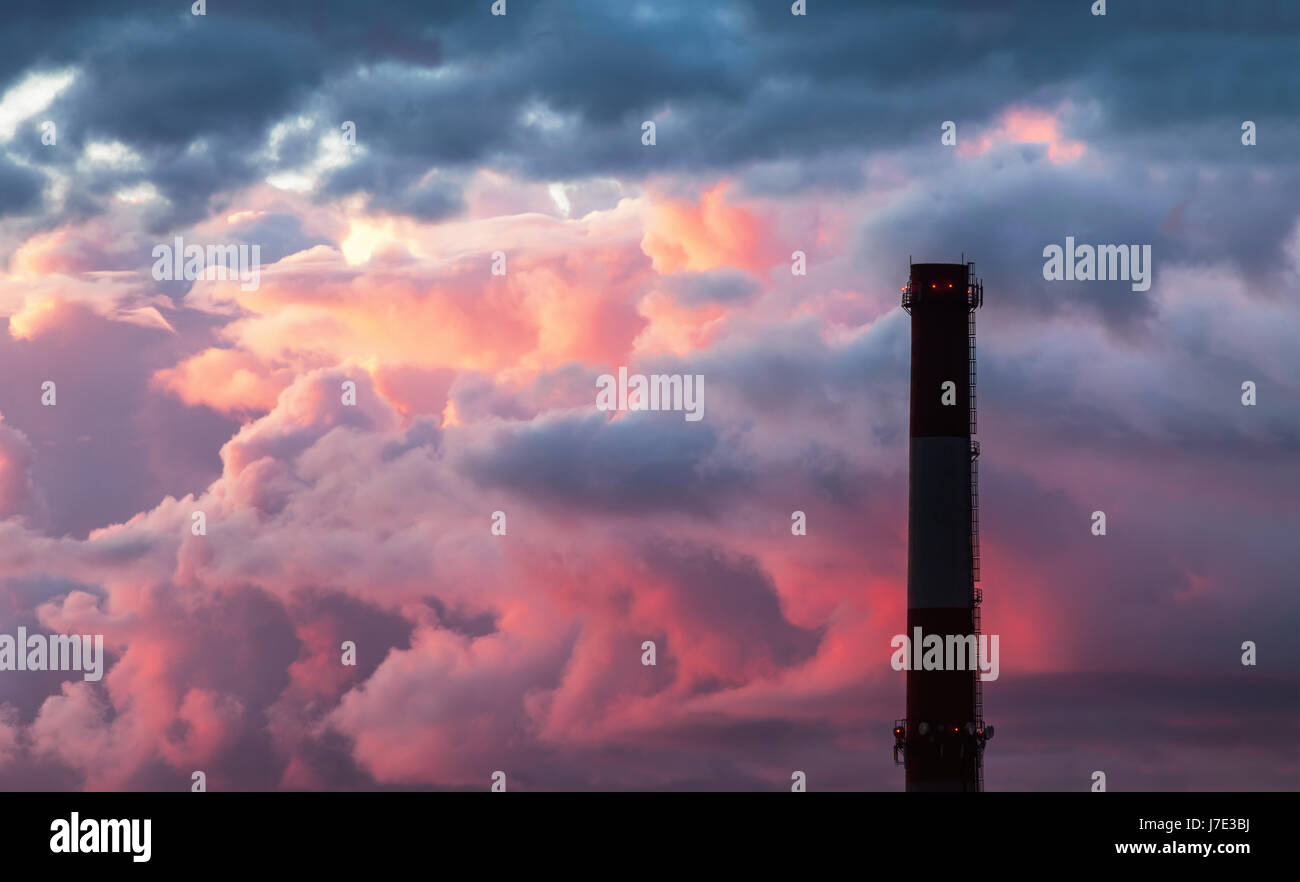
point(643, 462)
point(20, 189)
point(437, 87)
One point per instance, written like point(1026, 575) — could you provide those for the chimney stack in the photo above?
point(942, 738)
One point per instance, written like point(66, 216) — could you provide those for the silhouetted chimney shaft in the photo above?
point(942, 738)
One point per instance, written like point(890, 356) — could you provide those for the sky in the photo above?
point(517, 142)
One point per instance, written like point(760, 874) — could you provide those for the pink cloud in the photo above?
point(371, 522)
point(18, 494)
point(681, 235)
point(228, 380)
point(1027, 125)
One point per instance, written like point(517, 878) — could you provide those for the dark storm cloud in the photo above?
point(20, 189)
point(720, 286)
point(442, 85)
point(642, 462)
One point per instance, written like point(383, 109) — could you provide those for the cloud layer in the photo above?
point(496, 239)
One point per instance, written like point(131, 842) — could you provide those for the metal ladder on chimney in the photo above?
point(974, 471)
point(977, 594)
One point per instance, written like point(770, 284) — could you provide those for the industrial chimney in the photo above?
point(942, 738)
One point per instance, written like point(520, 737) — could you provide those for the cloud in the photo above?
point(1027, 125)
point(226, 380)
point(18, 494)
point(680, 236)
